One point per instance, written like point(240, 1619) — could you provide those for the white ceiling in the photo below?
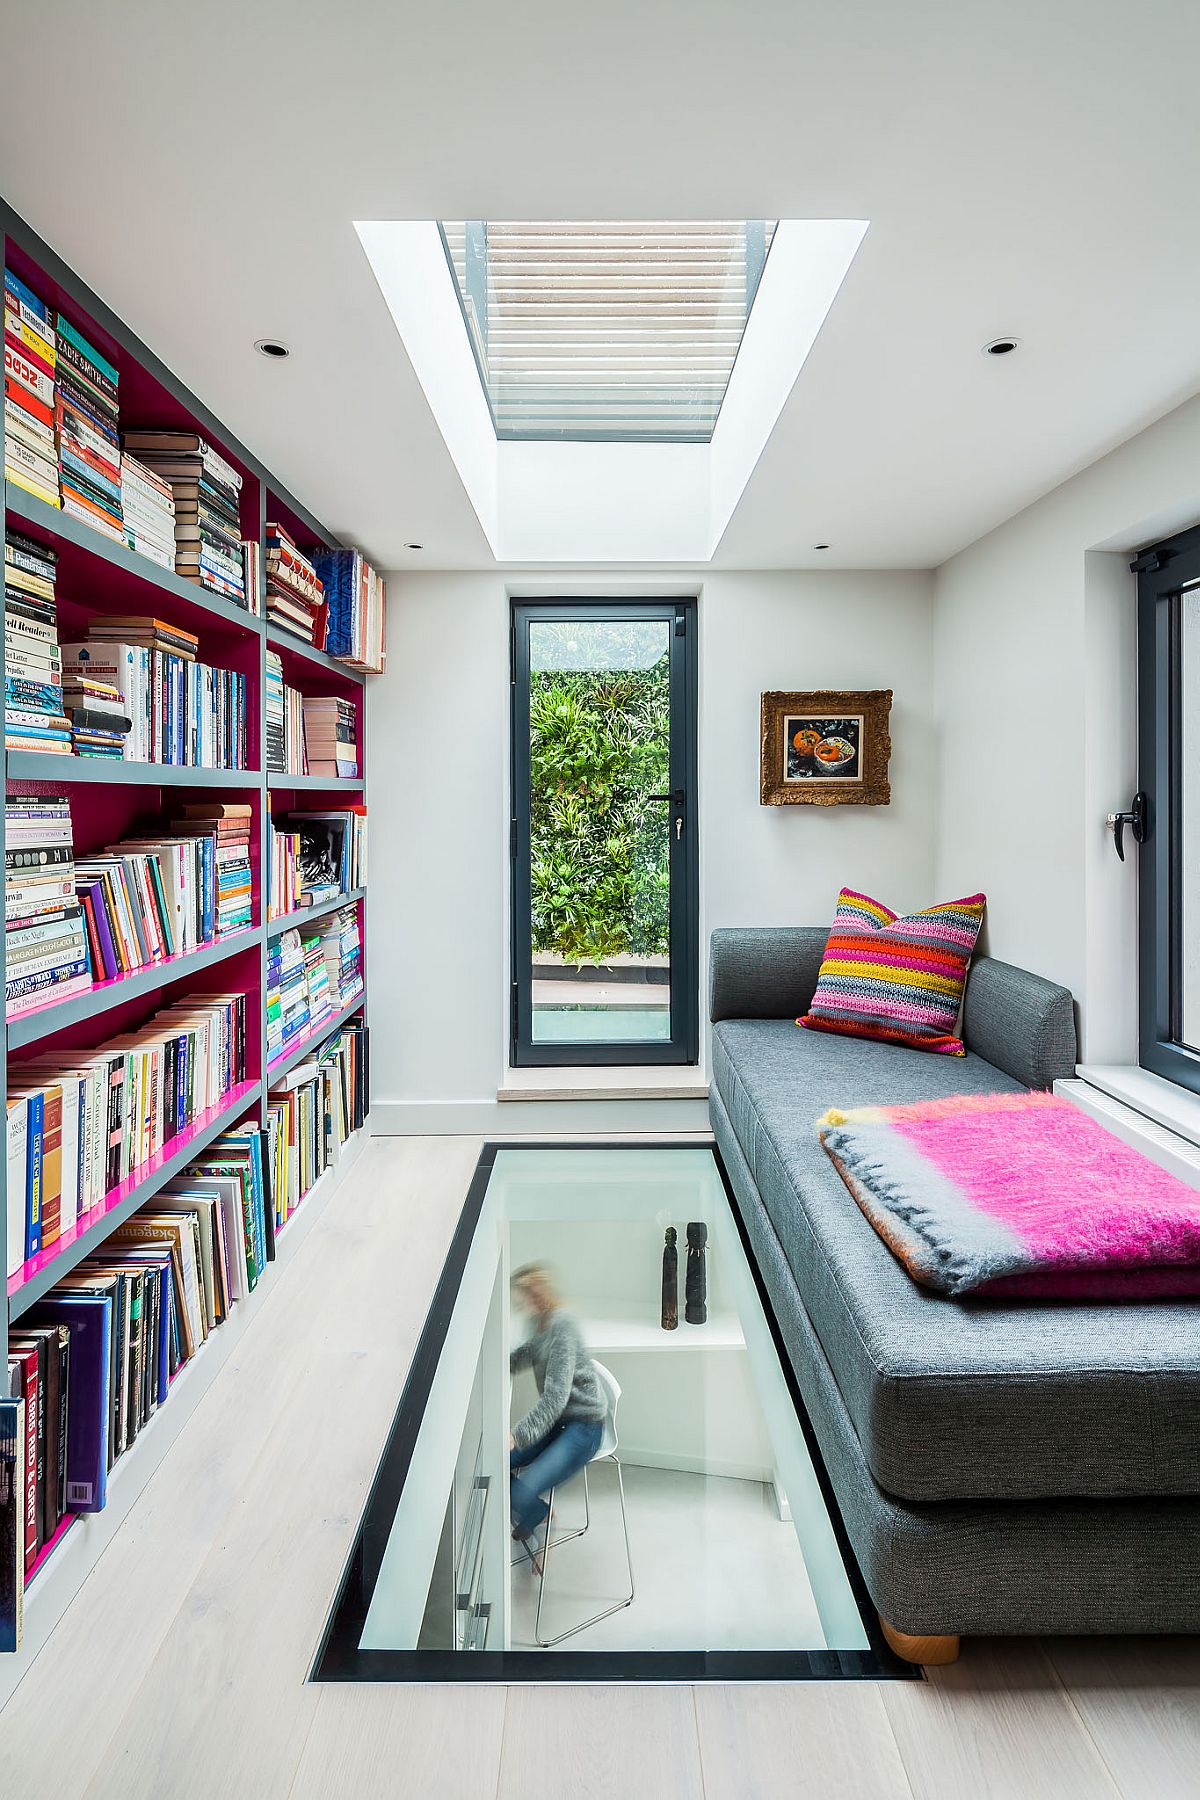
point(1028, 169)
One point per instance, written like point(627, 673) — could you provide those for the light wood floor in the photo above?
point(179, 1669)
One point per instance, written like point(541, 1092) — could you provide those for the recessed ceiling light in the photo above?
point(1003, 346)
point(272, 347)
point(414, 546)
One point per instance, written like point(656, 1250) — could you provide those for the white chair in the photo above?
point(607, 1452)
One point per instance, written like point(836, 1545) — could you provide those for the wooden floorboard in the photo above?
point(179, 1669)
point(1140, 1701)
point(997, 1723)
point(811, 1742)
point(609, 1743)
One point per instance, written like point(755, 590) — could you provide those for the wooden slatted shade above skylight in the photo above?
point(607, 331)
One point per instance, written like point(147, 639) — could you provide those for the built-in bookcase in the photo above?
point(111, 800)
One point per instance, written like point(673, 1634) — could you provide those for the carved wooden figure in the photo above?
point(670, 1283)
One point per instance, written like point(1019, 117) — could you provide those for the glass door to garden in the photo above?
point(605, 962)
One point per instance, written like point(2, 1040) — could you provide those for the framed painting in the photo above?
point(826, 748)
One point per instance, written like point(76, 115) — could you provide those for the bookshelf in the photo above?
point(113, 800)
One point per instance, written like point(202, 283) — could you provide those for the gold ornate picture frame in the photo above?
point(826, 747)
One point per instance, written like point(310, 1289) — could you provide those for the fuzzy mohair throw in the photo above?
point(1017, 1196)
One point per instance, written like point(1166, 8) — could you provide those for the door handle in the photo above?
point(678, 799)
point(1137, 819)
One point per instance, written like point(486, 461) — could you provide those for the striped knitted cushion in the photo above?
point(899, 980)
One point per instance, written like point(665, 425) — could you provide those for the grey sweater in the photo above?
point(566, 1377)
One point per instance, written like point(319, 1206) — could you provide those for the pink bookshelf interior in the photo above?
point(51, 1545)
point(228, 1108)
point(170, 969)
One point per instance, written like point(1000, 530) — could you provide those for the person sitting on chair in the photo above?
point(562, 1433)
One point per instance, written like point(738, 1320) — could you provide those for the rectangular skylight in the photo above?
point(606, 332)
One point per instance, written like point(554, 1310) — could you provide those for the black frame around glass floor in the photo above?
point(339, 1657)
point(683, 1045)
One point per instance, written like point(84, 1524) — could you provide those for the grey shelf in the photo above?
point(280, 639)
point(312, 1040)
point(70, 771)
point(48, 521)
point(304, 915)
point(192, 1142)
point(342, 784)
point(29, 1028)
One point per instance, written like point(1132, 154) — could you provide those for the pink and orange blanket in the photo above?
point(1017, 1196)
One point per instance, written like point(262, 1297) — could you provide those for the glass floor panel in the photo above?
point(701, 1542)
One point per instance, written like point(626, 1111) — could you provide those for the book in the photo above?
point(12, 1521)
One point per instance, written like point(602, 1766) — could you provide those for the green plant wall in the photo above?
point(598, 845)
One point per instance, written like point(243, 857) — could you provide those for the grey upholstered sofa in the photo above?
point(1000, 1468)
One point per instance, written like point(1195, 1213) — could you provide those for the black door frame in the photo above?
point(1163, 573)
point(683, 1046)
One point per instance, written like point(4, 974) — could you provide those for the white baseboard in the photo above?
point(63, 1573)
point(535, 1118)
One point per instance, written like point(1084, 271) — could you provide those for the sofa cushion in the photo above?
point(952, 1399)
point(897, 980)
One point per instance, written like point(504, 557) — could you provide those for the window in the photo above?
point(606, 332)
point(1169, 778)
point(604, 916)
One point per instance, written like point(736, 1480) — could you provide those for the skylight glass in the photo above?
point(606, 332)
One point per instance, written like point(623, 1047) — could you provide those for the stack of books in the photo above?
point(311, 1113)
point(30, 353)
point(45, 943)
point(317, 981)
point(354, 596)
point(283, 872)
point(227, 825)
point(33, 699)
point(86, 422)
point(287, 993)
point(181, 711)
point(285, 722)
point(295, 597)
point(149, 512)
point(99, 721)
point(94, 1359)
point(150, 1085)
point(330, 735)
point(341, 946)
point(146, 899)
point(207, 494)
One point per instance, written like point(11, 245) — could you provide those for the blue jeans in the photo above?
point(547, 1464)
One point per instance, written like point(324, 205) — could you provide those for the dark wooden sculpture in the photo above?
point(696, 1279)
point(670, 1283)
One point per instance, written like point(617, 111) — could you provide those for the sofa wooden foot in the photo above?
point(927, 1650)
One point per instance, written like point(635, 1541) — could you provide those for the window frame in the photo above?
point(1164, 573)
point(682, 1049)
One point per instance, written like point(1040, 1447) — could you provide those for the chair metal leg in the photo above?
point(563, 1537)
point(573, 1631)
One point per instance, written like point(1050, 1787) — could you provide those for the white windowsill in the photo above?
point(1168, 1104)
point(615, 1082)
point(1131, 1103)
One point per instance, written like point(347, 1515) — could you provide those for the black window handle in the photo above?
point(677, 797)
point(1137, 819)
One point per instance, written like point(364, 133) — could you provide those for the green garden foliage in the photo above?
point(599, 847)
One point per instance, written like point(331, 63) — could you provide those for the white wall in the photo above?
point(1035, 684)
point(438, 753)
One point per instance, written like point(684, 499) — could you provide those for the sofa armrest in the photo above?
point(764, 971)
point(1020, 1022)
